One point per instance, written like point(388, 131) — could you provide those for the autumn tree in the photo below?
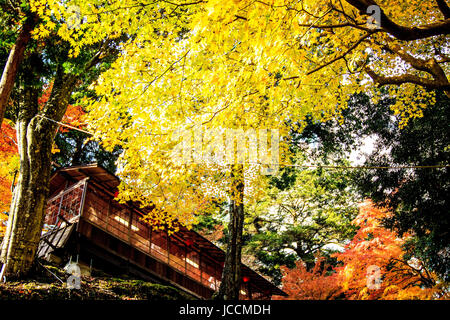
point(376, 247)
point(171, 92)
point(47, 59)
point(9, 164)
point(317, 283)
point(417, 202)
point(238, 65)
point(306, 217)
point(249, 65)
point(374, 266)
point(418, 196)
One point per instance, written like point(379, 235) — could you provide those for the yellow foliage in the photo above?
point(8, 164)
point(227, 64)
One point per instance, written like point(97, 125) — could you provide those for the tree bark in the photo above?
point(231, 276)
point(442, 4)
point(35, 134)
point(401, 32)
point(12, 65)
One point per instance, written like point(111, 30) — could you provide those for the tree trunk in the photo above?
point(28, 206)
point(12, 64)
point(231, 276)
point(35, 136)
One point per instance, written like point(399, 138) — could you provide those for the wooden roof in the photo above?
point(108, 182)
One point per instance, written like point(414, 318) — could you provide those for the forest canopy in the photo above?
point(240, 116)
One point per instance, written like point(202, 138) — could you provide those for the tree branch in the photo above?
point(15, 57)
point(402, 32)
point(408, 78)
point(58, 101)
point(430, 66)
point(442, 4)
point(335, 26)
point(352, 47)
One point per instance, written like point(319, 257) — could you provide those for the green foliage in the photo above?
point(418, 197)
point(303, 219)
point(75, 149)
point(206, 222)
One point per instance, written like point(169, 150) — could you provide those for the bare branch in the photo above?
point(408, 78)
point(334, 26)
point(430, 66)
point(402, 32)
point(442, 4)
point(350, 49)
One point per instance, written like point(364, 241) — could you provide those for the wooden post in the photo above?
point(200, 265)
point(83, 198)
point(168, 248)
point(60, 203)
point(150, 231)
point(185, 258)
point(130, 221)
point(108, 213)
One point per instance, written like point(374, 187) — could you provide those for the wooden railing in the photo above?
point(125, 224)
point(65, 207)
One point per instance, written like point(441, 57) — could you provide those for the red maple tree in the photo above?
point(316, 284)
point(375, 248)
point(372, 267)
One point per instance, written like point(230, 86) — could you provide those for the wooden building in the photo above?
point(84, 220)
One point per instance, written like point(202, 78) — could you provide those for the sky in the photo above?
point(358, 156)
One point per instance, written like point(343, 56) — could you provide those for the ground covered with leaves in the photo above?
point(45, 285)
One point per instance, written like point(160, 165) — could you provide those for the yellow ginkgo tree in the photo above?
point(249, 65)
point(244, 65)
